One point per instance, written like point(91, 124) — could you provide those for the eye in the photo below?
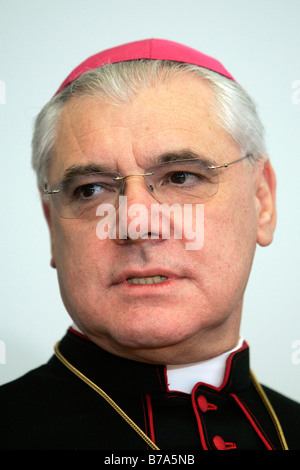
point(184, 178)
point(179, 178)
point(87, 191)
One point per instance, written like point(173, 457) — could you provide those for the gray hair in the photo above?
point(119, 83)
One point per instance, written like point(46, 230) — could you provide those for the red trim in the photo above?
point(150, 414)
point(229, 361)
point(252, 421)
point(78, 333)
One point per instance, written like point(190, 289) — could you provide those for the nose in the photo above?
point(134, 187)
point(125, 180)
point(134, 211)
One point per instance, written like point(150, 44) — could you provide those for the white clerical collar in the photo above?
point(183, 378)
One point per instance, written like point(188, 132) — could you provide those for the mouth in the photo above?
point(147, 280)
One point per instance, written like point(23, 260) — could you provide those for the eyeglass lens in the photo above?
point(184, 182)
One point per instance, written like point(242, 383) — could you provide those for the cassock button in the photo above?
point(204, 405)
point(220, 444)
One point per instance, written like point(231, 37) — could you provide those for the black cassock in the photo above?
point(52, 408)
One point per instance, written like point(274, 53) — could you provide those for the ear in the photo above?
point(266, 196)
point(47, 214)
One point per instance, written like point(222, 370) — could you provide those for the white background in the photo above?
point(41, 42)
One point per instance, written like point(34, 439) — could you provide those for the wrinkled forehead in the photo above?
point(182, 105)
point(185, 98)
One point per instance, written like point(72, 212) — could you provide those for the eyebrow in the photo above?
point(82, 170)
point(75, 171)
point(181, 156)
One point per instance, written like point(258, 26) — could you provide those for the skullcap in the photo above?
point(155, 49)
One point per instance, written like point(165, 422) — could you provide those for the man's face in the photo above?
point(195, 313)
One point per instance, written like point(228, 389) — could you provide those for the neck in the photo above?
point(183, 376)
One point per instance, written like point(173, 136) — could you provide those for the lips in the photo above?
point(145, 276)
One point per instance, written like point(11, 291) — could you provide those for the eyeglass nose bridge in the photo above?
point(123, 179)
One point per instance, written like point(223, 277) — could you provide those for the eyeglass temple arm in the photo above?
point(225, 165)
point(51, 192)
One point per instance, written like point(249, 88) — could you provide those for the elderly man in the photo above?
point(154, 358)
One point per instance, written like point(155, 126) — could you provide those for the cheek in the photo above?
point(78, 254)
point(230, 240)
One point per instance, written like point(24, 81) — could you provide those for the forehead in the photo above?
point(157, 120)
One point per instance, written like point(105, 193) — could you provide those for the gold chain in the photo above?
point(106, 397)
point(135, 426)
point(271, 411)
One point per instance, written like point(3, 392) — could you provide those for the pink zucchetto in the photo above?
point(155, 49)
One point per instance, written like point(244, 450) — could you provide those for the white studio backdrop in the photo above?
point(41, 41)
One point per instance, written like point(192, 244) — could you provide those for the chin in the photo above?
point(146, 328)
point(146, 338)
